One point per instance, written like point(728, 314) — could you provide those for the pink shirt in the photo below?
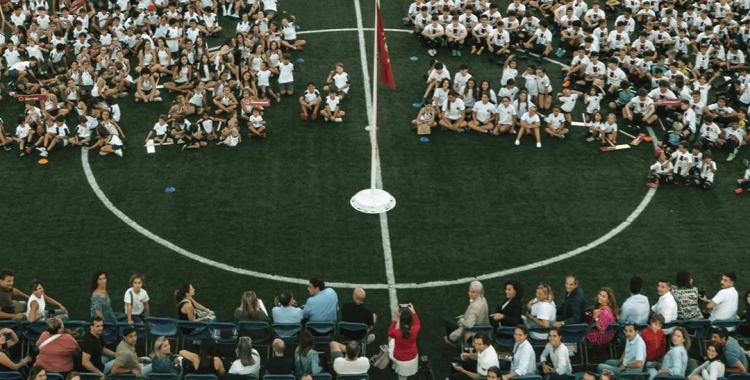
point(603, 336)
point(57, 355)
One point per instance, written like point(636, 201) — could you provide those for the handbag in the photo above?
point(381, 360)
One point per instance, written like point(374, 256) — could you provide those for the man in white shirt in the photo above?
point(724, 304)
point(635, 309)
point(666, 306)
point(477, 363)
point(352, 363)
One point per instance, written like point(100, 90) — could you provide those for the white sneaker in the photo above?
point(158, 99)
point(338, 120)
point(44, 154)
point(119, 152)
point(102, 153)
point(431, 52)
point(538, 145)
point(518, 142)
point(137, 100)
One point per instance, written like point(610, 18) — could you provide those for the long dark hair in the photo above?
point(34, 371)
point(405, 321)
point(181, 293)
point(306, 342)
point(95, 280)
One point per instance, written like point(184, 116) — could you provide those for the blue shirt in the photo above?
point(287, 314)
point(675, 361)
point(322, 307)
point(635, 350)
point(635, 309)
point(733, 353)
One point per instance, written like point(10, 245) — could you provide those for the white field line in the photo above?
point(384, 233)
point(391, 286)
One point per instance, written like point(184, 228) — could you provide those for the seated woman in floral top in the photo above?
point(604, 315)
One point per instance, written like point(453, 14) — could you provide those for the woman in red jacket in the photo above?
point(56, 348)
point(402, 342)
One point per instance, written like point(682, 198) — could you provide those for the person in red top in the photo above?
point(402, 342)
point(653, 336)
point(56, 348)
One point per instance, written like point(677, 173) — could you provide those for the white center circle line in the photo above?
point(292, 280)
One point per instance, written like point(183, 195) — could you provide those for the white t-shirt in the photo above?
point(568, 102)
point(486, 359)
point(484, 111)
point(253, 369)
point(555, 122)
point(286, 72)
point(505, 115)
point(159, 130)
point(682, 162)
point(453, 110)
point(725, 299)
point(136, 300)
point(332, 103)
point(263, 77)
point(344, 367)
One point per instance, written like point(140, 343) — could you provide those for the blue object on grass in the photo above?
point(414, 58)
point(416, 105)
point(299, 60)
point(424, 139)
point(170, 189)
point(296, 27)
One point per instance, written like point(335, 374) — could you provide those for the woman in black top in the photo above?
point(509, 312)
point(8, 339)
point(205, 361)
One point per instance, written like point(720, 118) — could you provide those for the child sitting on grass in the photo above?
point(256, 124)
point(332, 110)
point(708, 170)
point(556, 124)
point(660, 172)
point(160, 131)
point(230, 135)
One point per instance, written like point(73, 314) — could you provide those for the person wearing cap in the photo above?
point(126, 360)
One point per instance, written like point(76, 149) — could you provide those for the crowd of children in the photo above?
point(73, 60)
point(648, 63)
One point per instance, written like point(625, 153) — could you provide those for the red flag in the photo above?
point(386, 73)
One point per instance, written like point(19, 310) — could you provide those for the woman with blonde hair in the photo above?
point(542, 311)
point(248, 359)
point(56, 348)
point(603, 316)
point(162, 358)
point(251, 308)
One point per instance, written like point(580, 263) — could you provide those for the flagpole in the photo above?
point(374, 200)
point(374, 127)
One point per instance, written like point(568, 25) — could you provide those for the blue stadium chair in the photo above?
point(223, 332)
point(353, 329)
point(669, 325)
point(89, 376)
point(13, 325)
point(124, 376)
point(258, 331)
point(31, 333)
point(504, 336)
point(739, 377)
point(529, 377)
point(109, 333)
point(82, 328)
point(55, 376)
point(163, 376)
point(166, 327)
point(323, 376)
point(668, 377)
point(634, 375)
point(279, 377)
point(729, 324)
point(193, 331)
point(538, 342)
point(11, 375)
point(199, 376)
point(233, 376)
point(323, 332)
point(575, 334)
point(361, 376)
point(695, 328)
point(288, 332)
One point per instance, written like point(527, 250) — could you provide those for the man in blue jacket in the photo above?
point(572, 308)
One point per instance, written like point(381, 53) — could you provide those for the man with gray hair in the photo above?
point(476, 314)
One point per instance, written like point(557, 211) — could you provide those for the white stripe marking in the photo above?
point(384, 233)
point(389, 262)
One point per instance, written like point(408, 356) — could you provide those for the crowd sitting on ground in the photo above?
point(72, 61)
point(645, 330)
point(655, 70)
